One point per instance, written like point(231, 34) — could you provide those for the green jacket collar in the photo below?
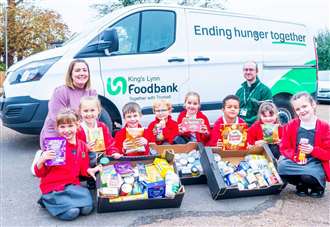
point(245, 84)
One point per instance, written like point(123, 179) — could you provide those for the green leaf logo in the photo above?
point(115, 86)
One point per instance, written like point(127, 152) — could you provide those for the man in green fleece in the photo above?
point(252, 93)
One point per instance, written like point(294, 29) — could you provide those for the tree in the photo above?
point(103, 9)
point(31, 30)
point(323, 49)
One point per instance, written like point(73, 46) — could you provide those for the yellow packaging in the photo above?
point(129, 198)
point(131, 135)
point(152, 174)
point(162, 166)
point(96, 135)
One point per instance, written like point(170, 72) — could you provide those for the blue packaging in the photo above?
point(156, 189)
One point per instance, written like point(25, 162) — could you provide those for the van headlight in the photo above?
point(32, 71)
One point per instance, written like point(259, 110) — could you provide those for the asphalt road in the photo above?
point(20, 191)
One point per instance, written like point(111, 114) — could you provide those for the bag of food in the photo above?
point(95, 135)
point(234, 136)
point(270, 133)
point(132, 134)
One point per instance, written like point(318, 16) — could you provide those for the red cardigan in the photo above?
point(170, 131)
point(255, 132)
point(109, 141)
point(321, 148)
point(201, 137)
point(215, 135)
point(121, 136)
point(55, 178)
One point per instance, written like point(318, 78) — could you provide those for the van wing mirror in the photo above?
point(109, 41)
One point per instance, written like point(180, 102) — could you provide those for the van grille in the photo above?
point(14, 112)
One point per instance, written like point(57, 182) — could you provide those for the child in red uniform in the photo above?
point(132, 116)
point(90, 110)
point(62, 194)
point(192, 105)
point(267, 114)
point(163, 129)
point(305, 147)
point(230, 109)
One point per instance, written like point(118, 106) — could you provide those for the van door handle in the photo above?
point(175, 60)
point(201, 59)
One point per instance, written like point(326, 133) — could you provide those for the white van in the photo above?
point(146, 52)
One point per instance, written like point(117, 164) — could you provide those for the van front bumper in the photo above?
point(23, 114)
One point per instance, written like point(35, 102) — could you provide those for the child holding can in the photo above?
point(305, 149)
point(62, 195)
point(163, 129)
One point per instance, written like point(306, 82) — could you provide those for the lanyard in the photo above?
point(249, 97)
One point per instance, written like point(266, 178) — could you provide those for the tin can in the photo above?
point(195, 171)
point(125, 189)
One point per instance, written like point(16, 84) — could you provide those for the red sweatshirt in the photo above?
point(170, 131)
point(321, 148)
point(201, 137)
point(255, 132)
point(121, 136)
point(109, 141)
point(215, 135)
point(55, 178)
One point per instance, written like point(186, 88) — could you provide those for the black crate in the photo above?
point(104, 205)
point(183, 148)
point(216, 183)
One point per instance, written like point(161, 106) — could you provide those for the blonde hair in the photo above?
point(161, 102)
point(90, 99)
point(68, 76)
point(192, 93)
point(66, 116)
point(303, 94)
point(268, 107)
point(131, 107)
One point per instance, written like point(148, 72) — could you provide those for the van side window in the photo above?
point(157, 31)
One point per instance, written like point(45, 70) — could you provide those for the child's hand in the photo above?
point(91, 144)
point(259, 143)
point(306, 148)
point(47, 155)
point(141, 141)
point(93, 171)
point(127, 144)
point(180, 128)
point(116, 155)
point(220, 144)
point(162, 123)
point(204, 130)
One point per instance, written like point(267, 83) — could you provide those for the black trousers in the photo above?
point(306, 181)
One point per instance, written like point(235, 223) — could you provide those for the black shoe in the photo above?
point(302, 190)
point(41, 203)
point(91, 184)
point(317, 193)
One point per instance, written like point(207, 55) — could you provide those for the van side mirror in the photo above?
point(109, 41)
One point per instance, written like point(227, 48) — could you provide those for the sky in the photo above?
point(313, 13)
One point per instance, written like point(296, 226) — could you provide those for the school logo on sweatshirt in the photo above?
point(116, 85)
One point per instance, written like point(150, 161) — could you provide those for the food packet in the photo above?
point(192, 124)
point(96, 135)
point(131, 135)
point(57, 144)
point(270, 133)
point(234, 136)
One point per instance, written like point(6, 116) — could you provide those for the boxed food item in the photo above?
point(233, 136)
point(186, 158)
point(95, 135)
point(191, 124)
point(233, 174)
point(132, 134)
point(270, 133)
point(132, 183)
point(57, 144)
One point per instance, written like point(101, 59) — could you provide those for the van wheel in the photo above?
point(285, 112)
point(106, 119)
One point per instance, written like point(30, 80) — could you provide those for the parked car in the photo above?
point(323, 92)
